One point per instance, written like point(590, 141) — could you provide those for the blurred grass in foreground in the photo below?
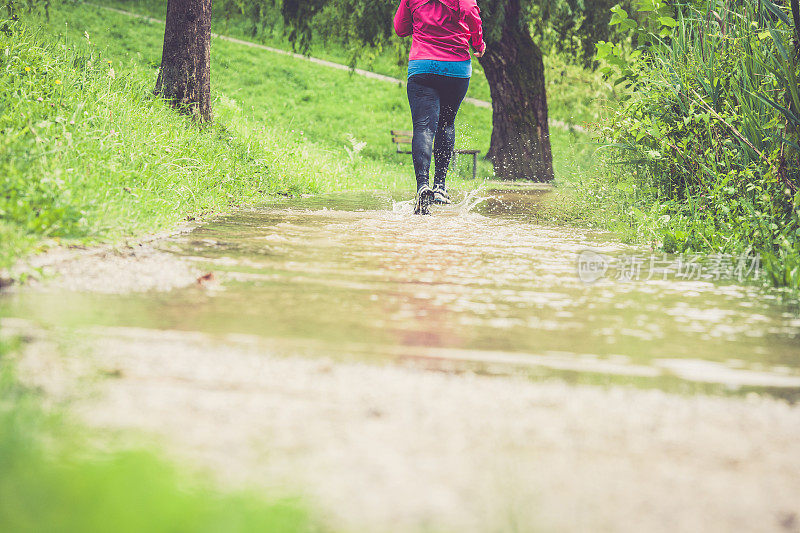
point(52, 479)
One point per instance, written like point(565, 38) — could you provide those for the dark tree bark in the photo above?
point(520, 146)
point(185, 75)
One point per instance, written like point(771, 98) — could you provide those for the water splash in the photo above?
point(465, 205)
point(471, 200)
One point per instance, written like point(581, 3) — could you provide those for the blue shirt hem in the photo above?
point(454, 69)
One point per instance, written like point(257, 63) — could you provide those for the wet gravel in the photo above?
point(387, 448)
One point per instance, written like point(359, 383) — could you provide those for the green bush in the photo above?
point(705, 144)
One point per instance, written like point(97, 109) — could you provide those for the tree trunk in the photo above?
point(185, 75)
point(520, 147)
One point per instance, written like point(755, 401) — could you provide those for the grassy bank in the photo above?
point(327, 107)
point(90, 155)
point(53, 479)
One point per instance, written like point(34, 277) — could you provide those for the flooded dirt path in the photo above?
point(444, 373)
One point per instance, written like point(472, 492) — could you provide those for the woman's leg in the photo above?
point(452, 91)
point(424, 102)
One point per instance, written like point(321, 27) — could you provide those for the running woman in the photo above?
point(439, 69)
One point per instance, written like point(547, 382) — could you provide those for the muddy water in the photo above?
point(476, 286)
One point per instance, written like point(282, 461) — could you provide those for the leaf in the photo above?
point(649, 5)
point(778, 12)
point(779, 44)
point(604, 49)
point(617, 10)
point(668, 21)
point(618, 16)
point(790, 143)
point(789, 114)
point(205, 278)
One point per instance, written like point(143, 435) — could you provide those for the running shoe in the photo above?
point(440, 196)
point(424, 201)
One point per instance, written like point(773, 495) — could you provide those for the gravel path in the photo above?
point(135, 265)
point(388, 448)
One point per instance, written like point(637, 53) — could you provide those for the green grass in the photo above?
point(322, 105)
point(53, 479)
point(87, 153)
point(575, 95)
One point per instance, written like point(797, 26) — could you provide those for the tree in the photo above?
point(572, 27)
point(185, 75)
point(514, 68)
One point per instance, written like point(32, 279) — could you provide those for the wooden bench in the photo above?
point(400, 137)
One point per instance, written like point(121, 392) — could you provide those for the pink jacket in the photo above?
point(441, 29)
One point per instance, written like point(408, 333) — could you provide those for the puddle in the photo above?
point(476, 286)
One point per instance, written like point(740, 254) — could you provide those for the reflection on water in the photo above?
point(474, 286)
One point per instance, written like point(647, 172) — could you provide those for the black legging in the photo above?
point(434, 101)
